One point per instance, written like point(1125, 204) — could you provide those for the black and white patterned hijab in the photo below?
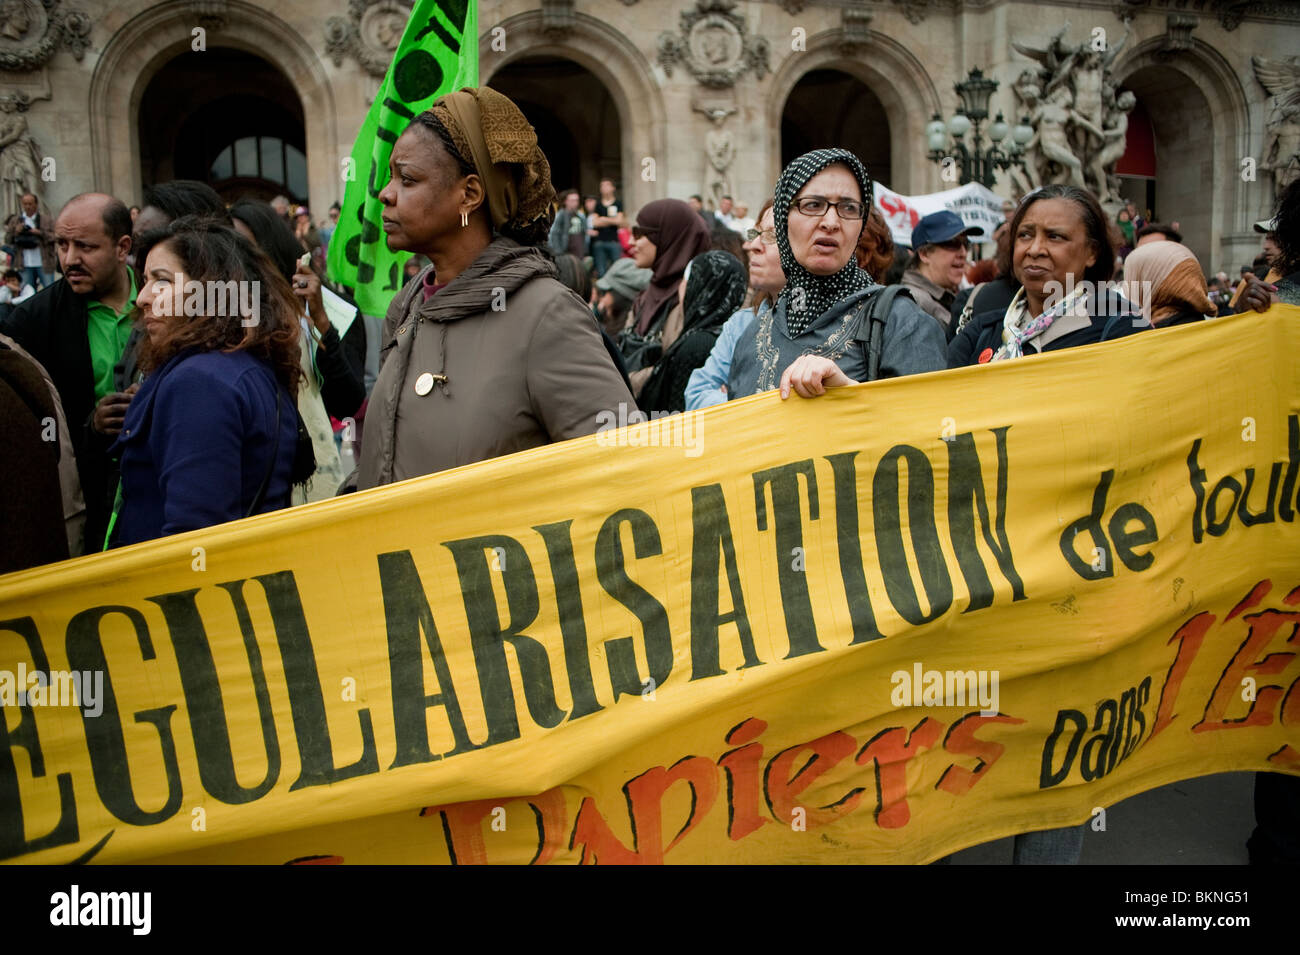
point(815, 293)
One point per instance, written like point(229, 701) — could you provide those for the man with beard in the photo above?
point(78, 327)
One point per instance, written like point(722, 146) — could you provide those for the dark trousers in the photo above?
point(1276, 839)
point(605, 254)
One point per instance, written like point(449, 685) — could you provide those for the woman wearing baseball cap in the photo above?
point(938, 264)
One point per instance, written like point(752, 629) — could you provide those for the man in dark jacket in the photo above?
point(78, 328)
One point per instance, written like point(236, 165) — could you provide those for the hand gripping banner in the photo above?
point(877, 626)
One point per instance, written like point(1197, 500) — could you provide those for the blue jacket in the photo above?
point(704, 389)
point(197, 443)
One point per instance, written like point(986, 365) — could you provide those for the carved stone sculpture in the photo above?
point(1229, 13)
point(713, 45)
point(31, 30)
point(1078, 119)
point(1052, 122)
point(20, 159)
point(1114, 142)
point(719, 151)
point(369, 33)
point(1281, 154)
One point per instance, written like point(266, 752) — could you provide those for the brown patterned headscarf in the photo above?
point(490, 131)
point(1165, 279)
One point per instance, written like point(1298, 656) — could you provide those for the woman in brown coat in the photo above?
point(484, 353)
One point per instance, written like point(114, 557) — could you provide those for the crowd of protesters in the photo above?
point(176, 412)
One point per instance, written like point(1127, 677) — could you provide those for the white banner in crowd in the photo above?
point(976, 204)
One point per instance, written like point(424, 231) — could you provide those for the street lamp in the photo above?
point(977, 163)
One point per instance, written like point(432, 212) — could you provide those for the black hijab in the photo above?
point(816, 293)
point(714, 292)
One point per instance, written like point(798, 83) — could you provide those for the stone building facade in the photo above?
point(668, 97)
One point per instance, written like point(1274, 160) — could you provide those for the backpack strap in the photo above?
point(968, 312)
point(873, 313)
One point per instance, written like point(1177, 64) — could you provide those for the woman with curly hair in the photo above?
point(485, 353)
point(211, 436)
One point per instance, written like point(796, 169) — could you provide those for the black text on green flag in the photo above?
point(438, 53)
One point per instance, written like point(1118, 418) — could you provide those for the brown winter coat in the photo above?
point(31, 511)
point(528, 372)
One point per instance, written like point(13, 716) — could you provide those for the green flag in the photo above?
point(438, 53)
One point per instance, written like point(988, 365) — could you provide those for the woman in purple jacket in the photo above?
point(212, 434)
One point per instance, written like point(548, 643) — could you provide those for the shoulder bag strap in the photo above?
point(968, 311)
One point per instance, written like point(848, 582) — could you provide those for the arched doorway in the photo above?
point(575, 116)
point(159, 34)
point(829, 107)
point(244, 136)
point(614, 67)
point(1183, 146)
point(1136, 169)
point(1200, 129)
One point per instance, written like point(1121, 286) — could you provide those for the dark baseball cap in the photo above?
point(941, 227)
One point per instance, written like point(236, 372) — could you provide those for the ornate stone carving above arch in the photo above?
point(369, 33)
point(893, 73)
point(148, 41)
point(714, 45)
point(1219, 207)
point(32, 30)
point(620, 66)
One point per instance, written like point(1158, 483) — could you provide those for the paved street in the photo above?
point(1203, 821)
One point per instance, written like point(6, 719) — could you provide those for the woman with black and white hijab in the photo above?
point(814, 337)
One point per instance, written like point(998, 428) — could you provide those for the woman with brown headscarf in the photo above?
point(484, 353)
point(669, 233)
point(1165, 280)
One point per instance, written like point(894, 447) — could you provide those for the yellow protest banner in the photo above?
point(882, 625)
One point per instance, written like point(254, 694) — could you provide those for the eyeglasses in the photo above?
point(955, 245)
point(638, 232)
point(818, 206)
point(767, 235)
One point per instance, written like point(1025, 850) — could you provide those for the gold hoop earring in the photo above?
point(464, 219)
